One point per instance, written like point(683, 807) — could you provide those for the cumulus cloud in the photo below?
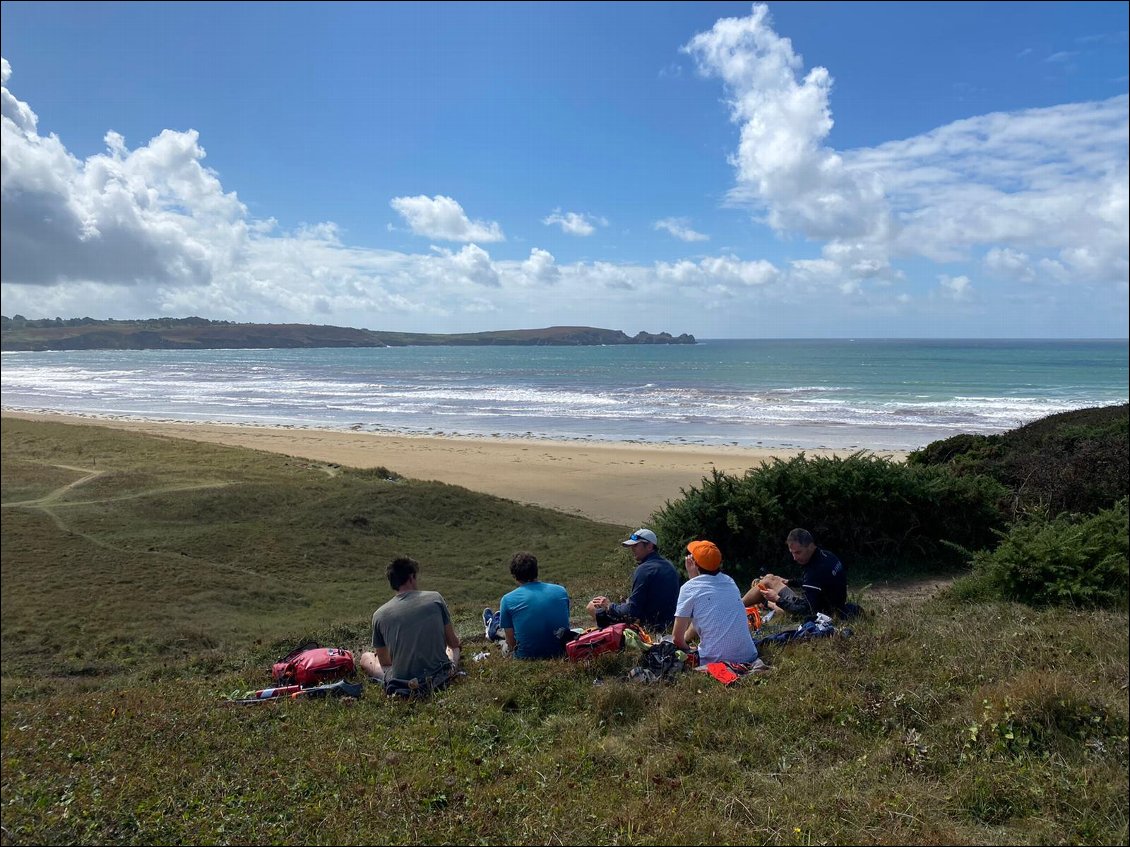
point(150, 216)
point(1050, 182)
point(680, 228)
point(574, 223)
point(955, 287)
point(719, 270)
point(541, 268)
point(443, 218)
point(782, 165)
point(1004, 261)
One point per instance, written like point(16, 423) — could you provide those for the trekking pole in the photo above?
point(341, 688)
point(273, 693)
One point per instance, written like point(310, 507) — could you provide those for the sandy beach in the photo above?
point(620, 483)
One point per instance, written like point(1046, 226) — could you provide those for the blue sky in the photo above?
point(726, 169)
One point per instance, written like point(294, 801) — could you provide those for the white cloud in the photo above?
point(540, 268)
point(471, 264)
point(441, 217)
point(955, 287)
point(680, 228)
point(575, 223)
point(782, 165)
point(151, 216)
point(1005, 261)
point(1050, 182)
point(718, 270)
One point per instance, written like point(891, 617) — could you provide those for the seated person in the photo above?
point(822, 587)
point(655, 588)
point(413, 636)
point(710, 606)
point(531, 614)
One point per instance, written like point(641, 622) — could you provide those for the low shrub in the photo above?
point(1067, 559)
point(886, 515)
point(1074, 461)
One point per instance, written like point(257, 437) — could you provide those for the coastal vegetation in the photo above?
point(144, 579)
point(1073, 461)
point(887, 518)
point(20, 333)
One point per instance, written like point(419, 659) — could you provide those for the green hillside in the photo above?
point(144, 579)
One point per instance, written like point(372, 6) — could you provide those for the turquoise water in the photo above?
point(877, 394)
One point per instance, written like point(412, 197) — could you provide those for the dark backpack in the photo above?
point(660, 662)
point(310, 664)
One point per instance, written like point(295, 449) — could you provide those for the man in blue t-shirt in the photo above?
point(655, 588)
point(532, 612)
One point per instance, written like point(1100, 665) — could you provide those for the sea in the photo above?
point(798, 394)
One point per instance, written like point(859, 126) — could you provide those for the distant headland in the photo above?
point(19, 333)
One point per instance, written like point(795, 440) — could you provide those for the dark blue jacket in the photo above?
point(824, 583)
point(655, 589)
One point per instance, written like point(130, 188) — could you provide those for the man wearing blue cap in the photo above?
point(655, 588)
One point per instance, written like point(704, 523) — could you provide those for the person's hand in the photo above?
point(770, 595)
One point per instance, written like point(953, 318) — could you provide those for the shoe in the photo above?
point(565, 635)
point(490, 625)
point(493, 627)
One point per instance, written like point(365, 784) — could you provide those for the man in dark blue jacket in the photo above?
point(822, 587)
point(655, 588)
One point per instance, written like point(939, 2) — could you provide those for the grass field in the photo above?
point(144, 579)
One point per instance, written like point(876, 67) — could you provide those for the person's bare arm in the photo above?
point(454, 645)
point(384, 656)
point(679, 635)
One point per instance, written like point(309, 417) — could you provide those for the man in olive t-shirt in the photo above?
point(413, 637)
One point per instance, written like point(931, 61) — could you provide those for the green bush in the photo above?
point(870, 510)
point(1068, 559)
point(1070, 462)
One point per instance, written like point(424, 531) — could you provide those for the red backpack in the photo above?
point(610, 639)
point(309, 664)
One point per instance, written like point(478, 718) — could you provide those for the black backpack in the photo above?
point(659, 663)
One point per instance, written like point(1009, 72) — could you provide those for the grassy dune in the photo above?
point(143, 579)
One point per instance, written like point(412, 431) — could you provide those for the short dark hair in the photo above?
point(800, 536)
point(524, 567)
point(399, 571)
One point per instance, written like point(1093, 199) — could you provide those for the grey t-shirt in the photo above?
point(411, 626)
